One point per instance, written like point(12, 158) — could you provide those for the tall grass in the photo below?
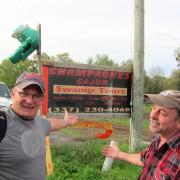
point(84, 162)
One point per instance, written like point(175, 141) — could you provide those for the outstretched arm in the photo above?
point(57, 124)
point(114, 152)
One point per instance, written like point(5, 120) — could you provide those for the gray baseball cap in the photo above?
point(166, 98)
point(27, 79)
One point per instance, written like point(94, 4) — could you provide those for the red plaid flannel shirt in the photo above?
point(162, 163)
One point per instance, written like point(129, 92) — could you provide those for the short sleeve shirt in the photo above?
point(22, 150)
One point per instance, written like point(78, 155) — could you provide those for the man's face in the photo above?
point(27, 101)
point(164, 121)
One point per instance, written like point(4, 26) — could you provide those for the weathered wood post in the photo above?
point(49, 164)
point(138, 77)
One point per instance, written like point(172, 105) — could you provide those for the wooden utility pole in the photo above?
point(138, 77)
point(49, 164)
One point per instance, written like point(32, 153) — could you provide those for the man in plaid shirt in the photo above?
point(161, 160)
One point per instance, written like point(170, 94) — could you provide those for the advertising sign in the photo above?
point(86, 90)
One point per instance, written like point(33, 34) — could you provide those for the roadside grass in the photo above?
point(84, 162)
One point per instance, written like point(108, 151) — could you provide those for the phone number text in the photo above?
point(90, 110)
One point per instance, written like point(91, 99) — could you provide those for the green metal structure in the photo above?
point(29, 39)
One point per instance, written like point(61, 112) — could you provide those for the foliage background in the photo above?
point(154, 82)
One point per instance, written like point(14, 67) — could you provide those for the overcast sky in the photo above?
point(84, 28)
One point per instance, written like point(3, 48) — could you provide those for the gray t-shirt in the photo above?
point(23, 151)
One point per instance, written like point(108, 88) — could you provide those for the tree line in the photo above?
point(154, 82)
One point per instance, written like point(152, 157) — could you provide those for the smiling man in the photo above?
point(22, 150)
point(161, 160)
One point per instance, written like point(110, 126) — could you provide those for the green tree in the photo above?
point(177, 56)
point(63, 58)
point(157, 80)
point(157, 84)
point(102, 60)
point(127, 64)
point(44, 58)
point(9, 72)
point(147, 83)
point(174, 79)
point(90, 60)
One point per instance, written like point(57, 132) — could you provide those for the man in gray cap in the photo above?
point(22, 149)
point(161, 160)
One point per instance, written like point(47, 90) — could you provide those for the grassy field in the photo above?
point(84, 162)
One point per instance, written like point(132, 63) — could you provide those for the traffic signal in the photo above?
point(29, 39)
